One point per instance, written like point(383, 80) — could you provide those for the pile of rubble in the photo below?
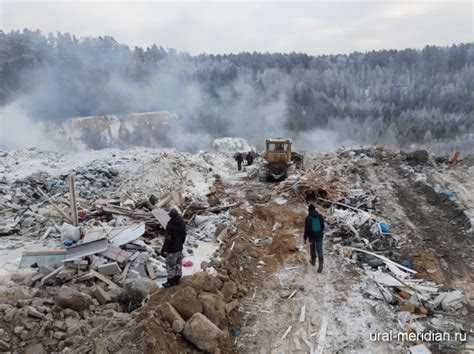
point(352, 200)
point(93, 285)
point(103, 228)
point(362, 236)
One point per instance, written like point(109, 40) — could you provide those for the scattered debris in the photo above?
point(95, 282)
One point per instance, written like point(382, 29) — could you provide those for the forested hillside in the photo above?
point(392, 96)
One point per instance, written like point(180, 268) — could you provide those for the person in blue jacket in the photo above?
point(314, 231)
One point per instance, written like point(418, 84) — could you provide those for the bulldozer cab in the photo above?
point(278, 150)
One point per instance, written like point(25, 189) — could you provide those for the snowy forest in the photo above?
point(388, 96)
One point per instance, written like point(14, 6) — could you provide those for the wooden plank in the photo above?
point(57, 208)
point(163, 201)
point(46, 234)
point(125, 271)
point(72, 197)
point(223, 207)
point(342, 204)
point(104, 279)
point(52, 274)
point(286, 333)
point(322, 335)
point(385, 259)
point(302, 313)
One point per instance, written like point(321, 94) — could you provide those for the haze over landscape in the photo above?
point(246, 75)
point(237, 177)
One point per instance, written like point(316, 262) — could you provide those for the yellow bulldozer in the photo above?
point(279, 159)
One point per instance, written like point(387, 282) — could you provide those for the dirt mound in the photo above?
point(441, 233)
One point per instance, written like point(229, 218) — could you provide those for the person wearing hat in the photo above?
point(173, 247)
point(314, 231)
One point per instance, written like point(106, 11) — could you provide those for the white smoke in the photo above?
point(18, 130)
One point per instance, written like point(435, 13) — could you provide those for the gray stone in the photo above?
point(201, 332)
point(32, 312)
point(213, 307)
point(73, 299)
point(109, 268)
point(59, 335)
point(4, 346)
point(101, 295)
point(185, 301)
point(18, 329)
point(73, 326)
point(229, 289)
point(231, 306)
point(35, 349)
point(168, 313)
point(144, 286)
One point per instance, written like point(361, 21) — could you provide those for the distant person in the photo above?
point(249, 158)
point(239, 158)
point(314, 231)
point(173, 247)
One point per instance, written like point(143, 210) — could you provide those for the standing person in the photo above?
point(314, 231)
point(173, 247)
point(249, 158)
point(239, 158)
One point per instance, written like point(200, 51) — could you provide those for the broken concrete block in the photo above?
point(35, 349)
point(73, 326)
point(109, 268)
point(116, 254)
point(138, 267)
point(71, 298)
point(77, 264)
point(201, 332)
point(32, 312)
point(203, 281)
point(4, 346)
point(144, 286)
point(115, 294)
point(229, 289)
point(231, 306)
point(59, 335)
point(213, 307)
point(186, 302)
point(101, 295)
point(168, 313)
point(452, 300)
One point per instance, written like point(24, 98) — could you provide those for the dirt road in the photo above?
point(325, 313)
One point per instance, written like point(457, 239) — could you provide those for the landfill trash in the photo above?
point(70, 233)
point(419, 349)
point(187, 263)
point(233, 233)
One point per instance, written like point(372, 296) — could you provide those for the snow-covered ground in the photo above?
point(142, 171)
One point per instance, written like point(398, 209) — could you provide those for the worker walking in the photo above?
point(314, 231)
point(173, 247)
point(249, 158)
point(239, 158)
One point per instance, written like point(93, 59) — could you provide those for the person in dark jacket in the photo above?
point(314, 231)
point(239, 157)
point(249, 158)
point(173, 247)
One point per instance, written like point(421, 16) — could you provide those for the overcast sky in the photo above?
point(317, 27)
